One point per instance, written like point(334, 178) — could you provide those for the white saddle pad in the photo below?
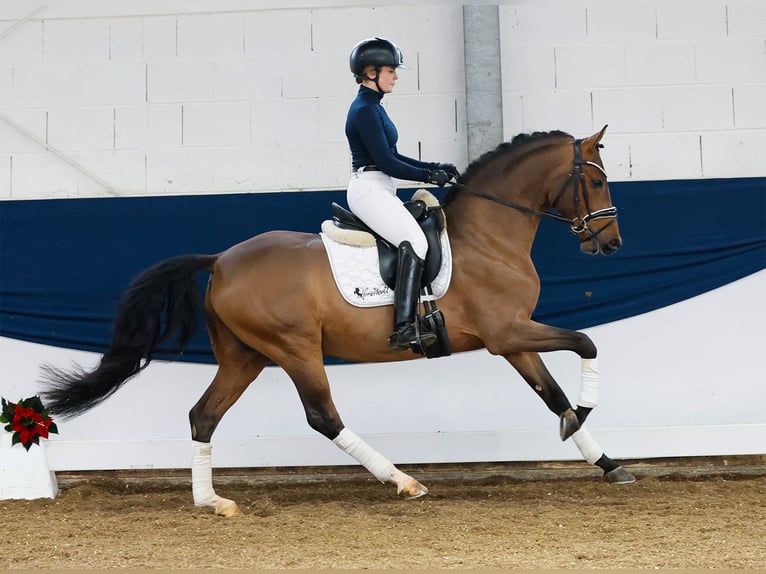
point(357, 273)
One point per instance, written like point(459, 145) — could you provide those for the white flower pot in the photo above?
point(24, 474)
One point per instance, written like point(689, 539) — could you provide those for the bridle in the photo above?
point(577, 176)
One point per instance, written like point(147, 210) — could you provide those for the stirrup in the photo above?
point(409, 336)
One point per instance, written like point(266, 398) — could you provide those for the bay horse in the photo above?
point(273, 298)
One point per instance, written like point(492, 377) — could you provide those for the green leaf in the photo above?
point(53, 428)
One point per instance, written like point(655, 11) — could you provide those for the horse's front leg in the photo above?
point(531, 367)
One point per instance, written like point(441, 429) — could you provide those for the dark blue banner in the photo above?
point(65, 263)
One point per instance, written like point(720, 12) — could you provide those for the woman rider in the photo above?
point(371, 194)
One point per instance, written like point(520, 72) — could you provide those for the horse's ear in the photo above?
point(592, 141)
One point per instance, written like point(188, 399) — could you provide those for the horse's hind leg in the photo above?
point(531, 367)
point(238, 367)
point(313, 388)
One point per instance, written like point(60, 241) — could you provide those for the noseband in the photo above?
point(577, 176)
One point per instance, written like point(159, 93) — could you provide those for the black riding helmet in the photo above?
point(376, 52)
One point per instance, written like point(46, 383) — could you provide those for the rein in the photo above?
point(577, 176)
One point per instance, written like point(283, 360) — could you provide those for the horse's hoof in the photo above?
point(227, 508)
point(619, 476)
point(568, 424)
point(412, 489)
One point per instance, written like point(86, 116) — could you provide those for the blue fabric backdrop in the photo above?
point(65, 263)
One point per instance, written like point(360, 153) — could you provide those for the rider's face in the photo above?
point(386, 78)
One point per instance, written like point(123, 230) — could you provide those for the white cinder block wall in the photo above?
point(228, 96)
point(681, 83)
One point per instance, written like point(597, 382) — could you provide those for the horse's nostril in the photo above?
point(616, 243)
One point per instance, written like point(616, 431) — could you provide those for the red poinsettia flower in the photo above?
point(28, 420)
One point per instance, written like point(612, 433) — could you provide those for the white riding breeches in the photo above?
point(372, 197)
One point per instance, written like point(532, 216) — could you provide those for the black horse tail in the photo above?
point(162, 304)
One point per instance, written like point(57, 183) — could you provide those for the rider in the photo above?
point(371, 194)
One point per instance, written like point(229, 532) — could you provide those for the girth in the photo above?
point(431, 221)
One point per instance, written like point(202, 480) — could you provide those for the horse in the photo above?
point(273, 298)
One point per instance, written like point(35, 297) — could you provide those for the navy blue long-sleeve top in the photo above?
point(372, 137)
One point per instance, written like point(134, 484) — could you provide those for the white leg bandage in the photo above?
point(380, 467)
point(589, 448)
point(588, 383)
point(202, 474)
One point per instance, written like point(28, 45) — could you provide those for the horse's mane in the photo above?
point(518, 142)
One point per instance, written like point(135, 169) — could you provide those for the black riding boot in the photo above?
point(406, 333)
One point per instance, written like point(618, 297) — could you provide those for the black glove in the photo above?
point(450, 168)
point(438, 177)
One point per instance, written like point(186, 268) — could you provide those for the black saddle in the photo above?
point(431, 220)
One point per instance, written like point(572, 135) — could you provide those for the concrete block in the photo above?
point(248, 79)
point(692, 20)
point(123, 170)
point(440, 71)
point(628, 110)
point(731, 60)
point(530, 67)
point(272, 34)
point(180, 81)
point(315, 166)
point(211, 35)
point(187, 170)
point(147, 126)
point(160, 37)
point(454, 150)
point(285, 122)
point(216, 124)
point(697, 108)
point(317, 76)
point(5, 175)
point(337, 30)
point(659, 63)
point(6, 88)
point(12, 140)
point(45, 84)
point(81, 128)
point(665, 156)
point(750, 106)
point(545, 110)
point(76, 40)
point(425, 116)
point(746, 18)
point(331, 118)
point(24, 44)
point(126, 39)
point(619, 21)
point(590, 66)
point(41, 175)
point(734, 154)
point(247, 169)
point(616, 158)
point(543, 23)
point(115, 82)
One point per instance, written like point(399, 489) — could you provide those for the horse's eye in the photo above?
point(597, 183)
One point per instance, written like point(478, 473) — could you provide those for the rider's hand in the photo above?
point(450, 168)
point(438, 177)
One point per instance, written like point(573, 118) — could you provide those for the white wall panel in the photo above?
point(732, 60)
point(248, 79)
point(45, 84)
point(24, 44)
point(659, 63)
point(216, 124)
point(746, 18)
point(159, 37)
point(544, 110)
point(610, 21)
point(112, 83)
point(121, 169)
point(5, 175)
point(83, 128)
point(680, 157)
point(704, 19)
point(211, 35)
point(749, 106)
point(126, 39)
point(41, 174)
point(628, 110)
point(586, 66)
point(34, 121)
point(76, 40)
point(272, 34)
point(697, 108)
point(147, 126)
point(725, 153)
point(180, 81)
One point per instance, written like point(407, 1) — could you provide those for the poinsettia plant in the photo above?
point(28, 420)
